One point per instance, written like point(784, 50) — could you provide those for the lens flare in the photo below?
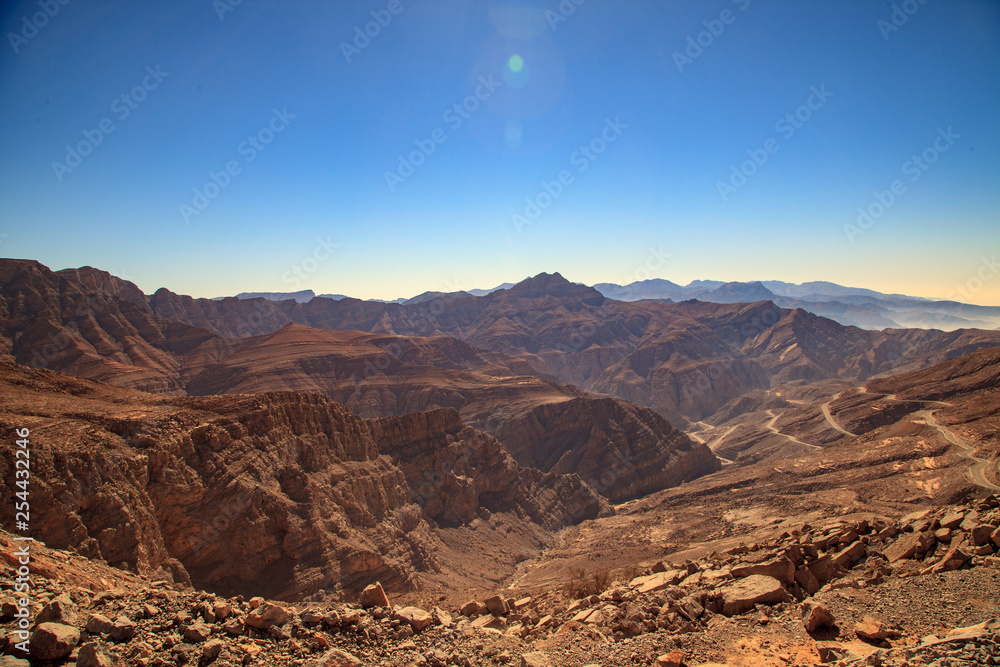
point(515, 63)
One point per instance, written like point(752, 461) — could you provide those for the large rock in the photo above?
point(872, 630)
point(61, 609)
point(99, 624)
point(535, 659)
point(267, 615)
point(51, 641)
point(847, 556)
point(815, 615)
point(336, 658)
point(91, 656)
point(781, 569)
point(374, 596)
point(496, 605)
point(416, 617)
point(755, 589)
point(908, 545)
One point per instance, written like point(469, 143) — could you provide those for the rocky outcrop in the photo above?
point(282, 493)
point(622, 449)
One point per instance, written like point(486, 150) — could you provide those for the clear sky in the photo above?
point(727, 140)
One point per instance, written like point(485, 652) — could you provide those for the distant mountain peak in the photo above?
point(553, 284)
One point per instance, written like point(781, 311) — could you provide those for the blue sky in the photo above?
point(618, 99)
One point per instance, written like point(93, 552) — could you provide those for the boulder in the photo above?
point(60, 609)
point(782, 569)
point(496, 605)
point(908, 545)
point(336, 658)
point(197, 633)
point(91, 656)
point(51, 641)
point(755, 589)
point(267, 615)
point(807, 581)
point(374, 596)
point(122, 630)
point(672, 659)
point(535, 659)
point(815, 615)
point(416, 617)
point(99, 624)
point(981, 534)
point(471, 608)
point(847, 556)
point(871, 630)
point(212, 649)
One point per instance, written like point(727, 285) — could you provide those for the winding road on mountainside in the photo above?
point(829, 418)
point(771, 427)
point(714, 442)
point(977, 471)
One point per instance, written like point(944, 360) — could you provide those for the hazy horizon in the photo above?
point(221, 147)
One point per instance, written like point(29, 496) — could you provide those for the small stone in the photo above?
point(336, 658)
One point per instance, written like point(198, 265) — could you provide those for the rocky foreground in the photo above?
point(924, 590)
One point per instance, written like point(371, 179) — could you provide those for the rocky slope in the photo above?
point(280, 493)
point(919, 590)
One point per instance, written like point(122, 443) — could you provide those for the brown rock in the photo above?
point(782, 569)
point(816, 615)
point(496, 605)
point(672, 659)
point(267, 615)
point(197, 632)
point(374, 596)
point(849, 555)
point(535, 659)
point(336, 658)
point(823, 569)
point(470, 609)
point(60, 609)
point(416, 617)
point(91, 656)
point(872, 630)
point(212, 649)
point(908, 545)
point(807, 581)
point(755, 589)
point(981, 534)
point(51, 641)
point(99, 624)
point(122, 630)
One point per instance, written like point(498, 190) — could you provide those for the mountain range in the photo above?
point(851, 306)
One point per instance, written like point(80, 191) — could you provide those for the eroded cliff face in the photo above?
point(281, 493)
point(623, 450)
